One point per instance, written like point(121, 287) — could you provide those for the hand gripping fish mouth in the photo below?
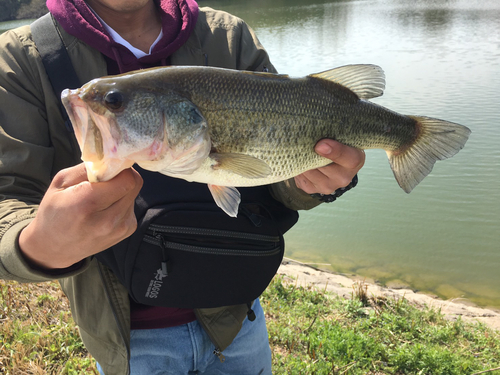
point(108, 147)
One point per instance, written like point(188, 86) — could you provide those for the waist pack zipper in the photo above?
point(156, 229)
point(160, 241)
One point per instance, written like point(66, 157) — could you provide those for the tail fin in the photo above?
point(438, 140)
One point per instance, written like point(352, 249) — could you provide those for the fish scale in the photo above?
point(230, 128)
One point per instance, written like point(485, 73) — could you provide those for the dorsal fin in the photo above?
point(366, 81)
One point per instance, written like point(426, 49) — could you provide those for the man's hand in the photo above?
point(347, 161)
point(77, 219)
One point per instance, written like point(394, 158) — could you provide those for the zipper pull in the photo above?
point(219, 355)
point(165, 264)
point(164, 269)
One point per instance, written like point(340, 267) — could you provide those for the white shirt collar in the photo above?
point(118, 39)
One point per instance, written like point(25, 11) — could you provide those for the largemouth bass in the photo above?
point(229, 128)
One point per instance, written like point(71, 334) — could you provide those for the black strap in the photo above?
point(329, 198)
point(55, 58)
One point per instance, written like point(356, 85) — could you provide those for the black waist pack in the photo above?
point(188, 253)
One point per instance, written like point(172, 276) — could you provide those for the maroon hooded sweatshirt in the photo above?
point(178, 21)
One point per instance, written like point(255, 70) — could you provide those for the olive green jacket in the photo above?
point(34, 146)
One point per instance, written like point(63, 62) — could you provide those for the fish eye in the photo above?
point(113, 100)
point(196, 116)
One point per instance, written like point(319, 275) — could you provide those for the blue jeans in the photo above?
point(187, 349)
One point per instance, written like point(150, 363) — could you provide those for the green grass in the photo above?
point(311, 332)
point(37, 333)
point(315, 333)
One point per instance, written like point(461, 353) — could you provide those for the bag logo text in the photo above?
point(155, 285)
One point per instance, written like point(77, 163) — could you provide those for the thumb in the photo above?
point(328, 148)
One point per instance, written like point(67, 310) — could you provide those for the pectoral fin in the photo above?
point(227, 198)
point(241, 164)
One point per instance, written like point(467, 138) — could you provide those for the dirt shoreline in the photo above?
point(342, 285)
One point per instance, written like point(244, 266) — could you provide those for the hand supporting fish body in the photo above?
point(229, 128)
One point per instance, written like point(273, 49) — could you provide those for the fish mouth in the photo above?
point(97, 138)
point(107, 150)
point(78, 114)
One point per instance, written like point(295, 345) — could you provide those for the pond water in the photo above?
point(4, 26)
point(441, 59)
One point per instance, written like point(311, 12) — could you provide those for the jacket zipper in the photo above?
point(217, 351)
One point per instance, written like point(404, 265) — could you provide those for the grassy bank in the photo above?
point(37, 333)
point(315, 333)
point(311, 332)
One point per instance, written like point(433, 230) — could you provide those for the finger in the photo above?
point(123, 187)
point(330, 178)
point(125, 204)
point(99, 196)
point(303, 183)
point(315, 181)
point(117, 222)
point(119, 217)
point(70, 176)
point(348, 157)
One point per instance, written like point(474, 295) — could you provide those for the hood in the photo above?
point(178, 21)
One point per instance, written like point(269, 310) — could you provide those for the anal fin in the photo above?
point(228, 198)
